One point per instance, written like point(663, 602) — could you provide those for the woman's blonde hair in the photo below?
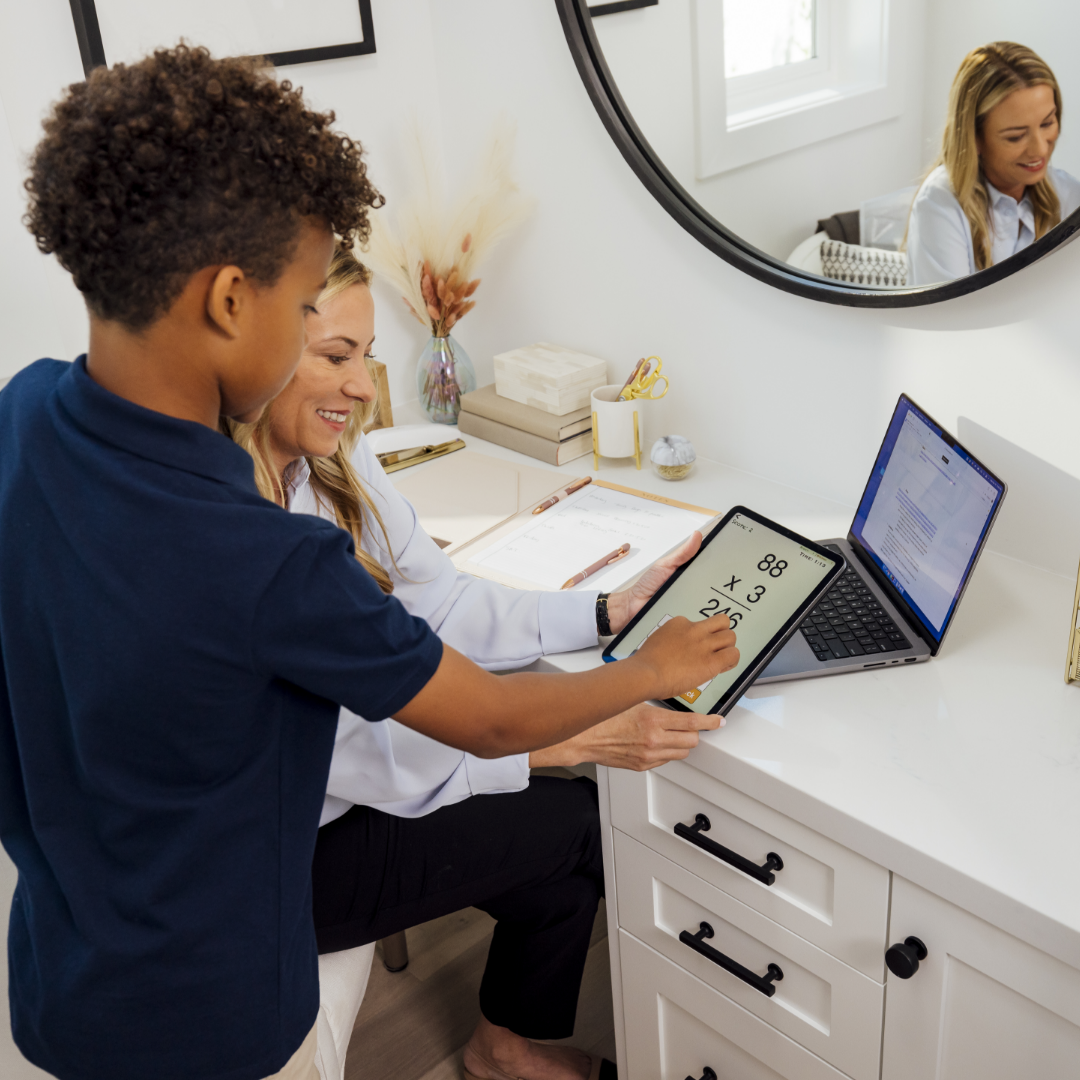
point(987, 76)
point(334, 481)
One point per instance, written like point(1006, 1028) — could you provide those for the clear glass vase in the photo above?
point(443, 373)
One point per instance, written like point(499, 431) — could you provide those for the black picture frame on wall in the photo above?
point(92, 48)
point(576, 17)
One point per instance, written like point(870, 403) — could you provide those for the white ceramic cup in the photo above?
point(615, 422)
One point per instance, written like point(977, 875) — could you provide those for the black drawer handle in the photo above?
point(708, 1074)
point(764, 874)
point(697, 943)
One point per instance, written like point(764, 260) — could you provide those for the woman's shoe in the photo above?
point(600, 1069)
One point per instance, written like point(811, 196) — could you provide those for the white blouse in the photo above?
point(939, 245)
point(384, 764)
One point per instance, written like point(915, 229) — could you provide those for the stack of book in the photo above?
point(532, 431)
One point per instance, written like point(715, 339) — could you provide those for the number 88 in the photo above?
point(775, 568)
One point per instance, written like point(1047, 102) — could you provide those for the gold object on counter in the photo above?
point(1072, 658)
point(394, 460)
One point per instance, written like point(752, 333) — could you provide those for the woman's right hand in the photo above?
point(685, 654)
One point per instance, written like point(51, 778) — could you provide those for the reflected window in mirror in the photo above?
point(760, 35)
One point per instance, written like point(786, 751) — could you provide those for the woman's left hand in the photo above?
point(624, 605)
point(639, 739)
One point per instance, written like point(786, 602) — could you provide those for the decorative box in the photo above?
point(548, 377)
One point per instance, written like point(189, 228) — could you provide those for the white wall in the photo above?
point(793, 389)
point(775, 203)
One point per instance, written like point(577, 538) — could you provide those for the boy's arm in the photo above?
point(469, 708)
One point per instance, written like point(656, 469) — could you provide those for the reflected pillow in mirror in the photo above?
point(875, 268)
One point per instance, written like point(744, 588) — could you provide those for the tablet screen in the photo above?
point(763, 577)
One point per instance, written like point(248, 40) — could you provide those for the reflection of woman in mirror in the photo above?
point(992, 190)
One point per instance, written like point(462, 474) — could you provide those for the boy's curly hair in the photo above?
point(151, 171)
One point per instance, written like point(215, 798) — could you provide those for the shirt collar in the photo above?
point(1023, 209)
point(296, 477)
point(180, 444)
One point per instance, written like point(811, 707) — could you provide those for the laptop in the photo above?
point(920, 527)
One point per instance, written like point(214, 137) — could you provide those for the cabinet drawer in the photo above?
point(676, 1027)
point(821, 1003)
point(824, 893)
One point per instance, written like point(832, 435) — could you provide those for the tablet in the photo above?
point(764, 577)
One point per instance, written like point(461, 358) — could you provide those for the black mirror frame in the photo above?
point(650, 170)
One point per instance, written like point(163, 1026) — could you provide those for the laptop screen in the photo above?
point(924, 514)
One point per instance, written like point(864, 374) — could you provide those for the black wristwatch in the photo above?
point(603, 623)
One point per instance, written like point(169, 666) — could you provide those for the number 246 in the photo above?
point(713, 608)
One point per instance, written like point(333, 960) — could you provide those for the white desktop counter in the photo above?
point(958, 778)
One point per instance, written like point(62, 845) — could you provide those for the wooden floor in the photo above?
point(413, 1025)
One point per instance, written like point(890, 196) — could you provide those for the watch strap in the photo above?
point(603, 623)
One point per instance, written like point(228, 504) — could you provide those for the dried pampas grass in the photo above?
point(437, 247)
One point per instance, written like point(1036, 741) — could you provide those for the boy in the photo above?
point(174, 648)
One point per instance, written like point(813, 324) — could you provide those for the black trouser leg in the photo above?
point(531, 859)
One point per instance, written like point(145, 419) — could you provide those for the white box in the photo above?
point(548, 377)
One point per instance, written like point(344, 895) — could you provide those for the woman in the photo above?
point(401, 841)
point(992, 190)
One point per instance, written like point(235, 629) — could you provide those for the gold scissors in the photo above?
point(644, 383)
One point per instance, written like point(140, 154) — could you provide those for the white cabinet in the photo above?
point(981, 1005)
point(825, 893)
point(820, 1002)
point(677, 1027)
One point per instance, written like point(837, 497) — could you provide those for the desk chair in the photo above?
point(343, 979)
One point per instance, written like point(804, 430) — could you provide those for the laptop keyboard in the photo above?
point(850, 622)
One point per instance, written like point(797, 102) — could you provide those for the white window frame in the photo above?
point(852, 81)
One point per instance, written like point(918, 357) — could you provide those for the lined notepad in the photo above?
point(544, 551)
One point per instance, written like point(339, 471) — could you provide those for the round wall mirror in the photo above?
point(872, 153)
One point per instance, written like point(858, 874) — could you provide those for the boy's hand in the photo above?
point(685, 654)
point(639, 739)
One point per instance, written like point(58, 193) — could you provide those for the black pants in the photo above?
point(531, 860)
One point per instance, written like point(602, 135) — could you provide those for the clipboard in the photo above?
point(1072, 657)
point(514, 552)
point(462, 496)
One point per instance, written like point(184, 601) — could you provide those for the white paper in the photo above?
point(573, 534)
point(132, 28)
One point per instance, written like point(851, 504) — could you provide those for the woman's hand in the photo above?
point(624, 605)
point(639, 739)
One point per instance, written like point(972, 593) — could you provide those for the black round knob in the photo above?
point(903, 960)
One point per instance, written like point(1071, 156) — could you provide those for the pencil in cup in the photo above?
point(612, 556)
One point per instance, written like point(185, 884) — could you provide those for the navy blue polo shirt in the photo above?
point(174, 649)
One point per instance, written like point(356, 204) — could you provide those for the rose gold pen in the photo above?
point(607, 560)
point(577, 485)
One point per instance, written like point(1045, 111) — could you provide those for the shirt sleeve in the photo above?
point(939, 244)
point(1068, 190)
point(496, 776)
point(324, 625)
